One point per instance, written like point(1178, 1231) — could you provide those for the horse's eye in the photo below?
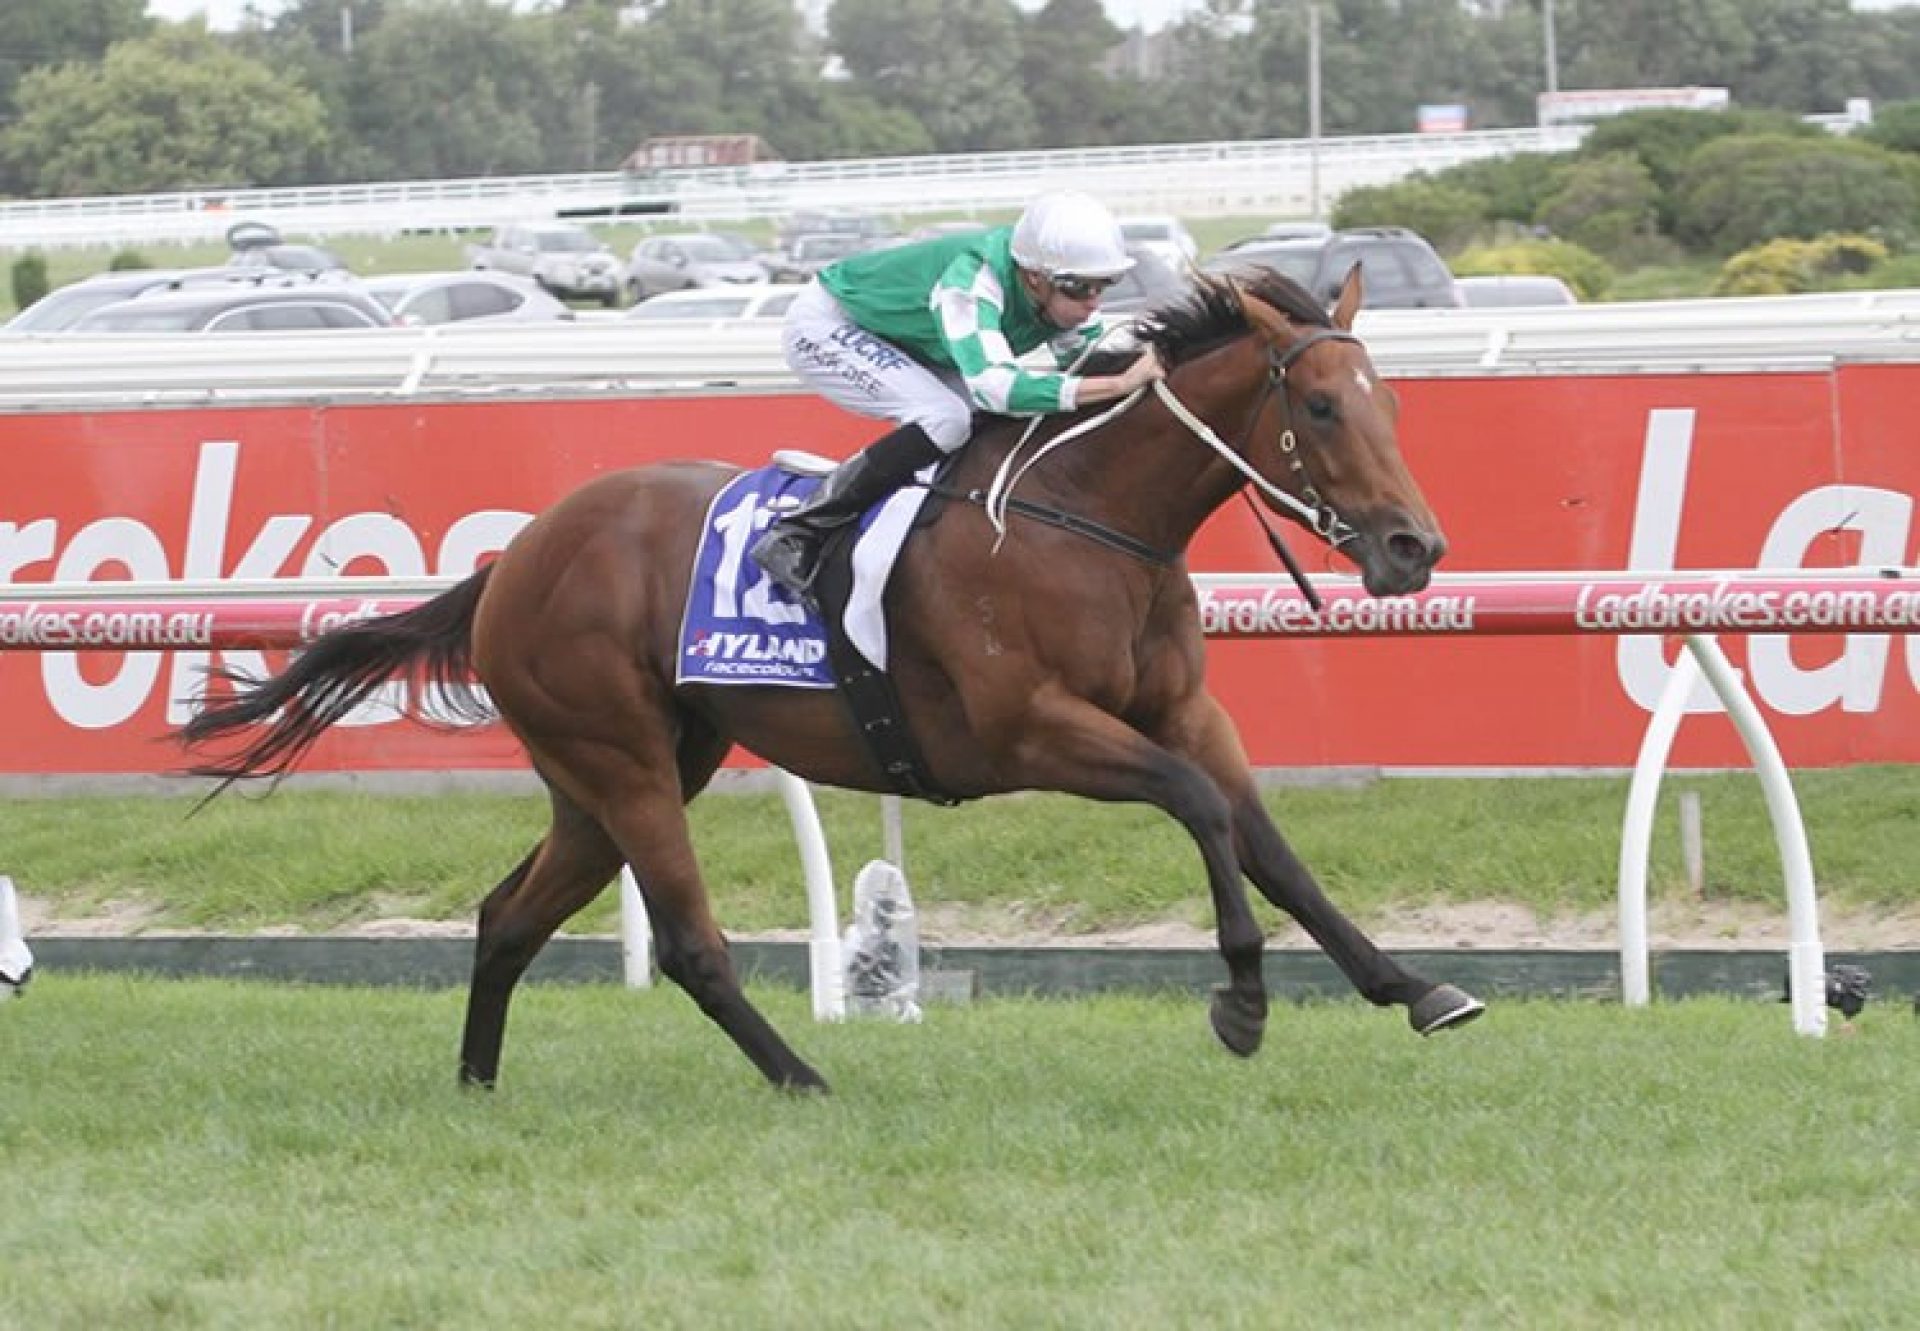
point(1320, 407)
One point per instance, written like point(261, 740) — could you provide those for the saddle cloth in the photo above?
point(741, 627)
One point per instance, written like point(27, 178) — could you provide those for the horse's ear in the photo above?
point(1348, 303)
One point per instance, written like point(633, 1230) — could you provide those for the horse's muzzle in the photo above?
point(1399, 561)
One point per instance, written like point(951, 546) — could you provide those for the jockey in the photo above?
point(925, 334)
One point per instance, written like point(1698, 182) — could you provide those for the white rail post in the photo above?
point(823, 944)
point(636, 936)
point(1806, 962)
point(1636, 832)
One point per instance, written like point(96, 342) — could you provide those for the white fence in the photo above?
point(1270, 176)
point(617, 356)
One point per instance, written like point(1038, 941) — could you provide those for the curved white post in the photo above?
point(1636, 833)
point(823, 944)
point(1806, 962)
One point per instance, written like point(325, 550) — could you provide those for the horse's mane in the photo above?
point(1208, 314)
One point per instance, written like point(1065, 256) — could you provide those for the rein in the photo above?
point(1310, 507)
point(1053, 517)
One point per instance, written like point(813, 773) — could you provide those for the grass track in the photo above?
point(315, 860)
point(215, 1155)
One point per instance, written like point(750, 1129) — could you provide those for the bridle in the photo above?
point(1320, 517)
point(1312, 508)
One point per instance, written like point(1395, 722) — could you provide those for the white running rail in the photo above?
point(619, 356)
point(1272, 176)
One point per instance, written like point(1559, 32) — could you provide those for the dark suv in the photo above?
point(1401, 271)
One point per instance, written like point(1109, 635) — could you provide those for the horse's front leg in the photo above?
point(1274, 869)
point(1074, 747)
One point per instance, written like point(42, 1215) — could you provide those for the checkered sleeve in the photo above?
point(967, 304)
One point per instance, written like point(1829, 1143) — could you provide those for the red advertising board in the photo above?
point(1577, 472)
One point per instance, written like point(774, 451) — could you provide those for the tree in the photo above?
point(1074, 100)
point(172, 111)
point(1446, 215)
point(464, 89)
point(1742, 191)
point(37, 34)
point(1896, 127)
point(828, 120)
point(45, 34)
point(955, 67)
point(1606, 204)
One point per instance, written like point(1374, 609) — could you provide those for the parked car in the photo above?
point(564, 257)
point(1400, 269)
point(1165, 235)
point(1508, 290)
point(258, 245)
point(809, 254)
point(955, 227)
point(688, 259)
point(843, 222)
point(1298, 229)
point(62, 307)
point(1150, 282)
point(466, 296)
point(238, 307)
point(760, 301)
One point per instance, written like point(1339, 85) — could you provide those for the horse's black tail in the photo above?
point(430, 645)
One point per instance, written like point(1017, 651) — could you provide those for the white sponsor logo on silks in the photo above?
point(127, 548)
point(1856, 678)
point(721, 646)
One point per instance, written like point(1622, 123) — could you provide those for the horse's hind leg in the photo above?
point(569, 867)
point(640, 803)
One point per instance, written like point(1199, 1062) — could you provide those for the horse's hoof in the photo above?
point(1238, 1021)
point(1443, 1006)
point(470, 1081)
point(805, 1081)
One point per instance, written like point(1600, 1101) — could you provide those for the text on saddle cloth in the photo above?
point(741, 627)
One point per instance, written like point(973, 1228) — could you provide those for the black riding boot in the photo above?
point(790, 549)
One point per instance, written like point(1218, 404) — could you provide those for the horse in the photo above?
point(1062, 655)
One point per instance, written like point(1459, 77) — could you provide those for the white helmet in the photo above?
point(1070, 235)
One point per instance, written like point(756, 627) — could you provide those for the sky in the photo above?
point(1151, 14)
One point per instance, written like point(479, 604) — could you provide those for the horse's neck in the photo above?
point(1143, 472)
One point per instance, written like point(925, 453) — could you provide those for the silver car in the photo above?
point(687, 260)
point(467, 296)
point(565, 258)
point(63, 307)
point(240, 308)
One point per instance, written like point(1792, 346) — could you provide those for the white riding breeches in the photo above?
point(852, 368)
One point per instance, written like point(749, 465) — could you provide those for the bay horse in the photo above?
point(1068, 657)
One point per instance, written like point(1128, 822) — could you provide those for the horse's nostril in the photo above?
point(1411, 549)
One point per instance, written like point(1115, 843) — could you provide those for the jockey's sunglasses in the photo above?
point(1081, 288)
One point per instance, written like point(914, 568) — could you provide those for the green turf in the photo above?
point(316, 861)
point(213, 1155)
